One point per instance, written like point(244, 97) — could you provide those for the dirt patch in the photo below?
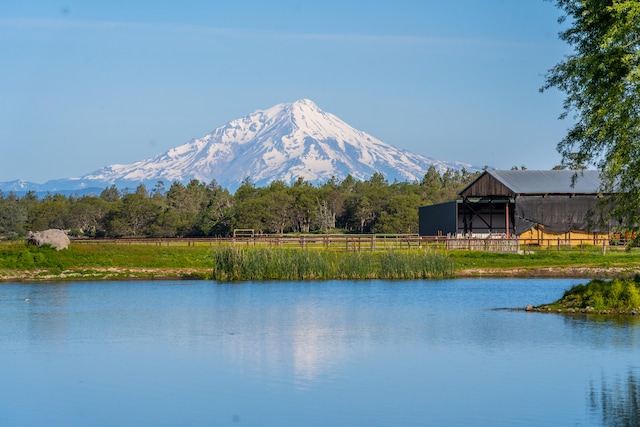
point(551, 272)
point(110, 273)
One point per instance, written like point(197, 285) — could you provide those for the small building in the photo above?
point(532, 205)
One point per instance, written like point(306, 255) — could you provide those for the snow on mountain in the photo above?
point(18, 185)
point(284, 142)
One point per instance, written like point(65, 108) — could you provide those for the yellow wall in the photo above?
point(538, 236)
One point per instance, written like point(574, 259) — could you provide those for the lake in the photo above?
point(335, 353)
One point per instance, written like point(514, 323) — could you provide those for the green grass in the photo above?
point(620, 295)
point(589, 257)
point(19, 260)
point(20, 255)
point(222, 263)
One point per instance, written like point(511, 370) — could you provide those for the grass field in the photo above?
point(19, 261)
point(591, 257)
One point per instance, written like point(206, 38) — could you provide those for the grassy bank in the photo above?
point(590, 262)
point(103, 261)
point(618, 296)
point(19, 261)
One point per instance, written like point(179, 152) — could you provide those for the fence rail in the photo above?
point(374, 242)
point(354, 243)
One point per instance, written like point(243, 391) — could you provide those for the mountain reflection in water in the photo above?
point(340, 353)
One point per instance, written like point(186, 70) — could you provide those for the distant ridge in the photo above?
point(284, 142)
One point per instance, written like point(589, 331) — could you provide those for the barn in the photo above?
point(530, 204)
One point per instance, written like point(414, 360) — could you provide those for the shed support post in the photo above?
point(506, 220)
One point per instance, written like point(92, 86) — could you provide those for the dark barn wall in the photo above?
point(439, 219)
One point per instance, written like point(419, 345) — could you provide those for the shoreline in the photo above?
point(145, 273)
point(549, 272)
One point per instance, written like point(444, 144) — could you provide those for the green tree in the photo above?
point(51, 212)
point(110, 194)
point(330, 204)
point(364, 214)
point(304, 205)
point(216, 217)
point(276, 204)
point(13, 215)
point(601, 81)
point(86, 214)
point(400, 215)
point(132, 216)
point(247, 212)
point(185, 207)
point(431, 182)
point(174, 218)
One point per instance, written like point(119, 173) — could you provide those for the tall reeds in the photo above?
point(232, 263)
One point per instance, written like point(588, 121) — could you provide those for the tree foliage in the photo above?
point(601, 81)
point(200, 210)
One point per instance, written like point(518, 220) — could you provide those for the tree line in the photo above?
point(198, 209)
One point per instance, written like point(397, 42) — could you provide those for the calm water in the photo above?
point(374, 353)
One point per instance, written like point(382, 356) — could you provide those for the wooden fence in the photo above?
point(378, 242)
point(372, 242)
point(341, 242)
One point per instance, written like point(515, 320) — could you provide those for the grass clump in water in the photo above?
point(617, 296)
point(232, 264)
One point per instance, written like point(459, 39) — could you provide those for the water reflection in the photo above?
point(329, 353)
point(317, 345)
point(602, 331)
point(303, 342)
point(617, 404)
point(48, 316)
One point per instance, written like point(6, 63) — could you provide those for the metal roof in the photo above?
point(546, 181)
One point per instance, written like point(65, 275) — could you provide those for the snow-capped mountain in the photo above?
point(284, 142)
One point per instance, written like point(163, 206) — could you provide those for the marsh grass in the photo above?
point(233, 263)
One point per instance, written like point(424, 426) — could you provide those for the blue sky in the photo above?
point(88, 84)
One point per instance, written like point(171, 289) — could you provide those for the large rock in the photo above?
point(56, 238)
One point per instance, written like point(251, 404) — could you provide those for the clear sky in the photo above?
point(86, 84)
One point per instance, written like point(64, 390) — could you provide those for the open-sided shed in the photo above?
point(531, 204)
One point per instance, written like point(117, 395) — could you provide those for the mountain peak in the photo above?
point(284, 142)
point(301, 106)
point(304, 102)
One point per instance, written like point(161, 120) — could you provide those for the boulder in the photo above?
point(56, 238)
